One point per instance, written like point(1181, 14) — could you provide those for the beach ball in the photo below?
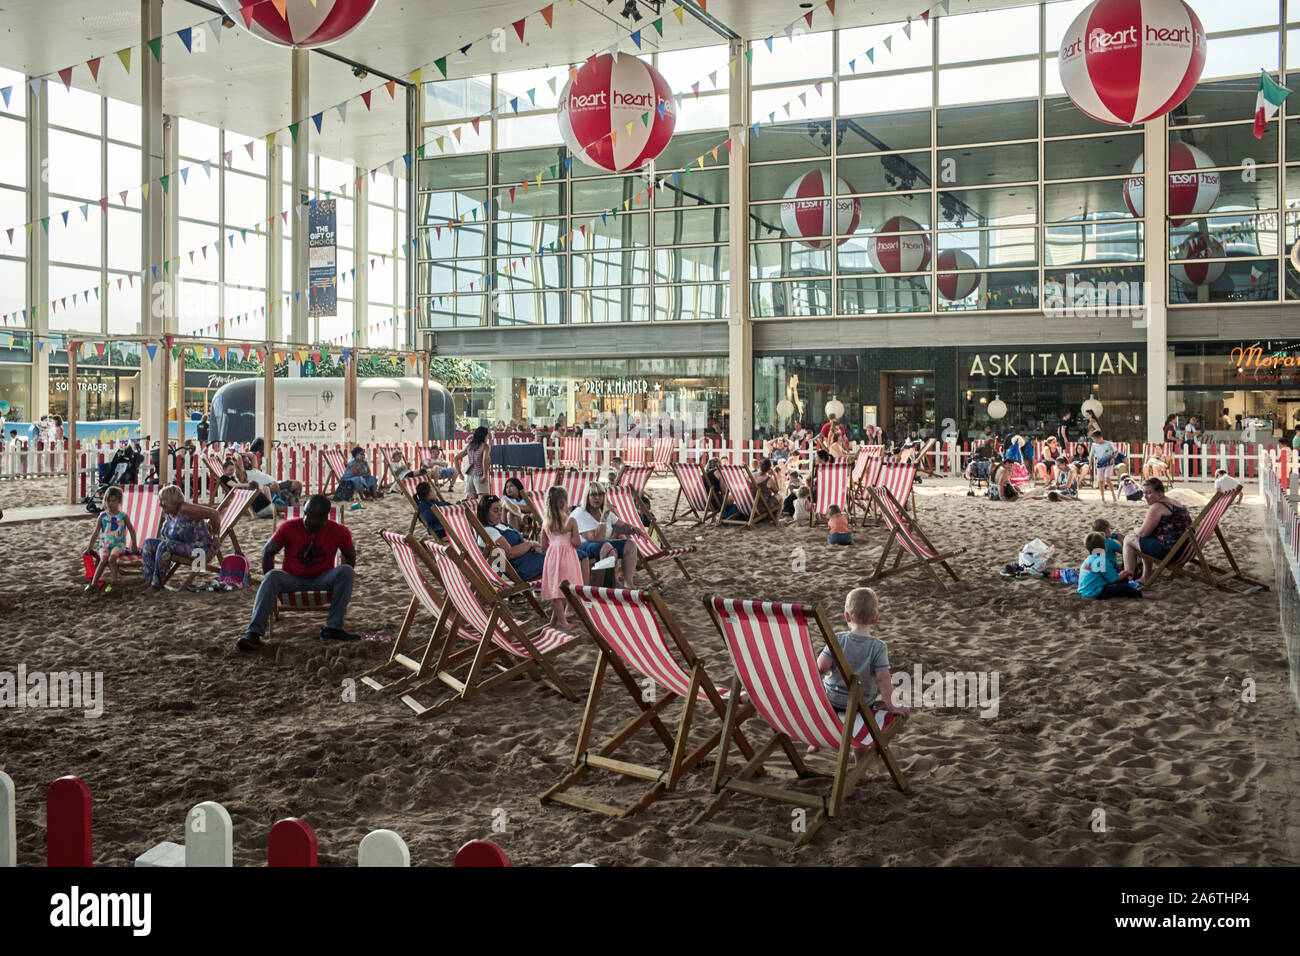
point(1188, 270)
point(596, 105)
point(1191, 191)
point(1128, 61)
point(300, 23)
point(955, 286)
point(891, 254)
point(802, 214)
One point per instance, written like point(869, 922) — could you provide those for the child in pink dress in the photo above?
point(562, 564)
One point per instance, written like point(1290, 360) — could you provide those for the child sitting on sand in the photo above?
point(111, 530)
point(800, 507)
point(1098, 577)
point(1129, 488)
point(867, 657)
point(837, 526)
point(1114, 543)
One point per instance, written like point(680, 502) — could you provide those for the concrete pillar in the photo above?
point(153, 395)
point(1155, 202)
point(70, 425)
point(414, 139)
point(300, 110)
point(361, 255)
point(740, 331)
point(38, 252)
point(274, 246)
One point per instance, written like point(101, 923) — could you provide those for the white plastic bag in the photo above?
point(1035, 555)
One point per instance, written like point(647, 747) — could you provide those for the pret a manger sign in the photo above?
point(1045, 364)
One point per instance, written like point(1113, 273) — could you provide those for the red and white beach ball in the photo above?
point(1188, 270)
point(955, 286)
point(891, 254)
point(301, 23)
point(1191, 192)
point(804, 214)
point(608, 93)
point(1128, 61)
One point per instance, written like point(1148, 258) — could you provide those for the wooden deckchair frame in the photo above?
point(507, 570)
point(760, 503)
point(692, 511)
point(485, 663)
point(1196, 565)
point(901, 525)
point(651, 529)
point(327, 467)
point(588, 756)
point(403, 659)
point(629, 473)
point(408, 493)
point(657, 462)
point(842, 780)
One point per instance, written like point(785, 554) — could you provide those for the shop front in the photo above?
point(103, 394)
point(1016, 391)
point(681, 395)
point(1239, 391)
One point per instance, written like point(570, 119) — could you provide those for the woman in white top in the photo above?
point(595, 525)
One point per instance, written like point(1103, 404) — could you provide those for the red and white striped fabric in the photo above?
point(663, 453)
point(456, 523)
point(499, 476)
point(542, 479)
point(772, 648)
point(832, 486)
point(571, 453)
point(232, 508)
point(629, 625)
point(902, 534)
point(899, 480)
point(1205, 530)
point(871, 479)
point(289, 514)
point(337, 465)
point(739, 486)
point(140, 503)
point(538, 500)
point(634, 477)
point(575, 484)
point(690, 476)
point(622, 503)
point(409, 565)
point(467, 605)
point(634, 451)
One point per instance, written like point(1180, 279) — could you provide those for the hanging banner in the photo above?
point(322, 258)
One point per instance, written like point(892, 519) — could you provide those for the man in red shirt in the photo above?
point(309, 544)
point(830, 429)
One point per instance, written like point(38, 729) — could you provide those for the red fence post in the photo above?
point(67, 823)
point(291, 843)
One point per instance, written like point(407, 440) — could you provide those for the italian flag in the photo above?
point(1267, 102)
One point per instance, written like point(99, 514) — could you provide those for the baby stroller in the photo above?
point(976, 472)
point(122, 469)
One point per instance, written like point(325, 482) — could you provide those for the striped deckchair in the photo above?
point(571, 453)
point(899, 479)
point(623, 504)
point(403, 659)
point(634, 477)
point(233, 507)
point(391, 470)
point(870, 479)
point(634, 631)
point(575, 483)
point(406, 487)
point(634, 450)
point(906, 536)
point(739, 490)
point(499, 476)
point(541, 479)
point(300, 602)
point(832, 481)
point(501, 648)
point(465, 533)
point(333, 469)
point(663, 454)
point(140, 503)
point(692, 489)
point(919, 455)
point(1187, 558)
point(776, 665)
point(216, 471)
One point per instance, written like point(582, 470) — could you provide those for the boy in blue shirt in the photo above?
point(1114, 543)
point(1098, 578)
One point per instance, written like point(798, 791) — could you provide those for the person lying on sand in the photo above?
point(866, 656)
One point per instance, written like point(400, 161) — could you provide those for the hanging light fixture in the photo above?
point(835, 407)
point(997, 409)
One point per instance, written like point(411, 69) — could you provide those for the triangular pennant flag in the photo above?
point(185, 175)
point(165, 180)
point(5, 92)
point(441, 64)
point(155, 47)
point(830, 5)
point(152, 349)
point(415, 76)
point(391, 86)
point(519, 28)
point(318, 118)
point(187, 37)
point(677, 12)
point(924, 16)
point(65, 218)
point(125, 57)
point(35, 84)
point(365, 98)
point(474, 122)
point(465, 49)
point(889, 44)
point(907, 29)
point(636, 38)
point(85, 212)
point(293, 131)
point(66, 76)
point(768, 41)
point(548, 12)
point(93, 66)
point(215, 26)
point(808, 17)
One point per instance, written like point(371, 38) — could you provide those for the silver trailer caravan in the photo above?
point(311, 409)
